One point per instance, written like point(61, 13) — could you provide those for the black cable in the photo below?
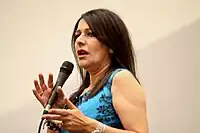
point(40, 126)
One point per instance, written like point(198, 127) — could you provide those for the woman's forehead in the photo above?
point(82, 25)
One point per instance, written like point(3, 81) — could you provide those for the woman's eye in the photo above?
point(76, 36)
point(90, 34)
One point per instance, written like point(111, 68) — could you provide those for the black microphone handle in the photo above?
point(60, 82)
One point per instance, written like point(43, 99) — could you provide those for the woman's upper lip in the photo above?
point(82, 51)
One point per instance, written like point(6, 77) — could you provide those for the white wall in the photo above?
point(35, 37)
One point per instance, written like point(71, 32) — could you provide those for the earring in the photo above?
point(110, 51)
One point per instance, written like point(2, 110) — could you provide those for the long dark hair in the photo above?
point(111, 31)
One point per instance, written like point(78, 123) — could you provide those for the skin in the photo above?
point(125, 89)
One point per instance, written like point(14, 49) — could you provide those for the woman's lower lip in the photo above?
point(81, 56)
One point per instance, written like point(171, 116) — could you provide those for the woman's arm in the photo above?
point(129, 103)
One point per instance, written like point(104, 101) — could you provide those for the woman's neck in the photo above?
point(96, 75)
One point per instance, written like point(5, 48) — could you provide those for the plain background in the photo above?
point(35, 37)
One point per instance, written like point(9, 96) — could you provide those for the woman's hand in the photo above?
point(43, 92)
point(72, 119)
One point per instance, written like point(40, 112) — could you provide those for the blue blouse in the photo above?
point(100, 107)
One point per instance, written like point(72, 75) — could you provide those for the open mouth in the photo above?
point(82, 52)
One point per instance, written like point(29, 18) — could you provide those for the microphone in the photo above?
point(65, 71)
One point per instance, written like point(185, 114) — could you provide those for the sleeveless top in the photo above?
point(100, 107)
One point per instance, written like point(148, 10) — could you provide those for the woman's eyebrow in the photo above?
point(87, 29)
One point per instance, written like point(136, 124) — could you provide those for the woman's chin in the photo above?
point(83, 65)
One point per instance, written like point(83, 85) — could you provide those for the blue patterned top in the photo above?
point(100, 107)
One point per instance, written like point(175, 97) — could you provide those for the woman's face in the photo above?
point(90, 52)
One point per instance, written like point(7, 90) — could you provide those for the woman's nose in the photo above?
point(81, 40)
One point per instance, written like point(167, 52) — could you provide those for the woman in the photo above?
point(110, 98)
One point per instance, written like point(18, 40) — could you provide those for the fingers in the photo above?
point(44, 87)
point(56, 114)
point(60, 93)
point(42, 82)
point(69, 104)
point(38, 90)
point(52, 117)
point(58, 111)
point(37, 95)
point(41, 79)
point(50, 80)
point(37, 87)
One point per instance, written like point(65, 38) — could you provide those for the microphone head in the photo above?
point(67, 67)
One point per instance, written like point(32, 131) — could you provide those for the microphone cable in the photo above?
point(40, 125)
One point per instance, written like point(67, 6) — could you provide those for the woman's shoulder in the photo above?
point(117, 71)
point(123, 77)
point(121, 73)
